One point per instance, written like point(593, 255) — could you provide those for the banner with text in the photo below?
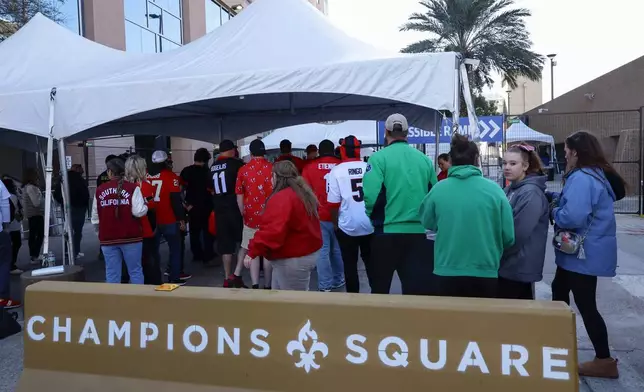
point(290, 341)
point(490, 130)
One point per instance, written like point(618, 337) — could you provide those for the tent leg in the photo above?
point(48, 171)
point(457, 98)
point(67, 219)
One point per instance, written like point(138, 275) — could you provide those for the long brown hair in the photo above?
point(287, 176)
point(117, 167)
point(590, 153)
point(529, 155)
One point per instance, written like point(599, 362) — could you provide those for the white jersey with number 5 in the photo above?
point(345, 187)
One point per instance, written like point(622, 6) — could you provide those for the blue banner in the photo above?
point(490, 130)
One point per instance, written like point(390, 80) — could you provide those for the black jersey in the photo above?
point(224, 178)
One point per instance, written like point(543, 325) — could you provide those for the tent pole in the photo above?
point(48, 171)
point(67, 219)
point(457, 98)
point(437, 129)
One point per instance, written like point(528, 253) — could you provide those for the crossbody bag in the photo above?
point(570, 242)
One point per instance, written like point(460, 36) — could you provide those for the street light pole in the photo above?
point(552, 75)
point(508, 110)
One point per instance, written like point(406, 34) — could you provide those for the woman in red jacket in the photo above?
point(289, 232)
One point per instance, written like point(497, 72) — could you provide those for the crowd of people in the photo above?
point(453, 234)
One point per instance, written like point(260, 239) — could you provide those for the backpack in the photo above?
point(16, 211)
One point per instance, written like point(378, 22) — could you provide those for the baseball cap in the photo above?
point(159, 156)
point(397, 123)
point(257, 148)
point(226, 145)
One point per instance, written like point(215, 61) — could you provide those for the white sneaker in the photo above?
point(79, 255)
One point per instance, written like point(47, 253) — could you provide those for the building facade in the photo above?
point(146, 26)
point(527, 96)
point(609, 107)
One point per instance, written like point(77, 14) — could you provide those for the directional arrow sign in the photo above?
point(489, 131)
point(496, 130)
point(485, 127)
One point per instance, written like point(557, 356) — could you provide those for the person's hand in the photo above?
point(188, 207)
point(247, 261)
point(182, 225)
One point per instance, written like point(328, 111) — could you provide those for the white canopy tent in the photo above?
point(279, 63)
point(303, 135)
point(519, 132)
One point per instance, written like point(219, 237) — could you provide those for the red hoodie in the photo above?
point(285, 229)
point(315, 174)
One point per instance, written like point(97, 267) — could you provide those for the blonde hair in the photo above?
point(287, 176)
point(135, 169)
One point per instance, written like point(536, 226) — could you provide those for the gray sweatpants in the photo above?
point(294, 273)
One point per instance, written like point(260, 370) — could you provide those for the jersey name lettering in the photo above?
point(355, 172)
point(326, 166)
point(221, 166)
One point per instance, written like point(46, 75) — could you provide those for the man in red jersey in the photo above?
point(253, 187)
point(286, 154)
point(170, 213)
point(329, 266)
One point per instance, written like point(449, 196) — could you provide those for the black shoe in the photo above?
point(179, 282)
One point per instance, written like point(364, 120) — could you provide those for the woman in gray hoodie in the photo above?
point(522, 264)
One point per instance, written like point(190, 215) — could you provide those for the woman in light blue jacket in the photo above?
point(585, 209)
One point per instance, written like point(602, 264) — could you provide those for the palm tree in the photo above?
point(492, 31)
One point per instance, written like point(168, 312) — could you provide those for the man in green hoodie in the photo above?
point(397, 179)
point(473, 222)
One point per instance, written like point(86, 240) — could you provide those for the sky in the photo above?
point(590, 37)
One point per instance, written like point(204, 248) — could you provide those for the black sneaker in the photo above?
point(179, 282)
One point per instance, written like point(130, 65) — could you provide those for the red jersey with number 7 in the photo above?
point(316, 173)
point(165, 183)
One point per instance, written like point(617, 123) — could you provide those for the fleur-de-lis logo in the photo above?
point(307, 358)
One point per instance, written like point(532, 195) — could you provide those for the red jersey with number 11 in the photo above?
point(165, 183)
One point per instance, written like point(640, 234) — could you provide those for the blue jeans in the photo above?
point(172, 236)
point(114, 257)
point(5, 264)
point(330, 266)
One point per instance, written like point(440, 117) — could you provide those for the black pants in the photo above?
point(16, 243)
point(584, 289)
point(410, 255)
point(466, 286)
point(512, 289)
point(36, 235)
point(351, 247)
point(151, 262)
point(201, 242)
point(79, 214)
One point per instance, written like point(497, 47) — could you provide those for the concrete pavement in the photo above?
point(621, 302)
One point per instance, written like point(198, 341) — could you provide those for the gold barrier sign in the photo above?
point(102, 337)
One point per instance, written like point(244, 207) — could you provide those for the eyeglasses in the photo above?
point(526, 147)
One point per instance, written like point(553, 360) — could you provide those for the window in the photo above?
point(153, 25)
point(138, 39)
point(213, 15)
point(69, 13)
point(216, 15)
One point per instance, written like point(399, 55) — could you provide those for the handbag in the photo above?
point(571, 243)
point(8, 323)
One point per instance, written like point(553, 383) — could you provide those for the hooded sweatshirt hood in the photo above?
point(464, 172)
